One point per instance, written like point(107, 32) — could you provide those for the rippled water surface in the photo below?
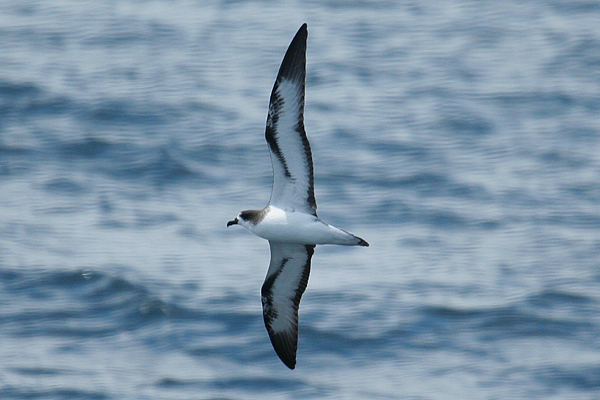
point(461, 139)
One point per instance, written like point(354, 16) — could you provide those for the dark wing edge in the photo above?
point(293, 68)
point(285, 341)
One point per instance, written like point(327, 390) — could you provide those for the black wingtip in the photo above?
point(302, 34)
point(362, 242)
point(285, 345)
point(291, 364)
point(293, 65)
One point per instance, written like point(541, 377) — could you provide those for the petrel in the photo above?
point(289, 222)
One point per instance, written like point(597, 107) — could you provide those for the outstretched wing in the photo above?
point(293, 184)
point(281, 292)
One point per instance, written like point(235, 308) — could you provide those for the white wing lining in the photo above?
point(281, 292)
point(291, 157)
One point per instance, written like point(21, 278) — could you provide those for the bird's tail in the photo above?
point(361, 242)
point(347, 239)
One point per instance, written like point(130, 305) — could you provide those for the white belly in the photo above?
point(296, 227)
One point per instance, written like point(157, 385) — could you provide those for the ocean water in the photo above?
point(461, 139)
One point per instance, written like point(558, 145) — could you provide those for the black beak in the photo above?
point(233, 222)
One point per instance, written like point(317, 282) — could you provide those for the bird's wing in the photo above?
point(293, 185)
point(281, 292)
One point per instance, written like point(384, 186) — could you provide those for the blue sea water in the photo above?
point(461, 139)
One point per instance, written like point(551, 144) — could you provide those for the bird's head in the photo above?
point(247, 218)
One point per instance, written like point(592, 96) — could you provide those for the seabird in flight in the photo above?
point(289, 222)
